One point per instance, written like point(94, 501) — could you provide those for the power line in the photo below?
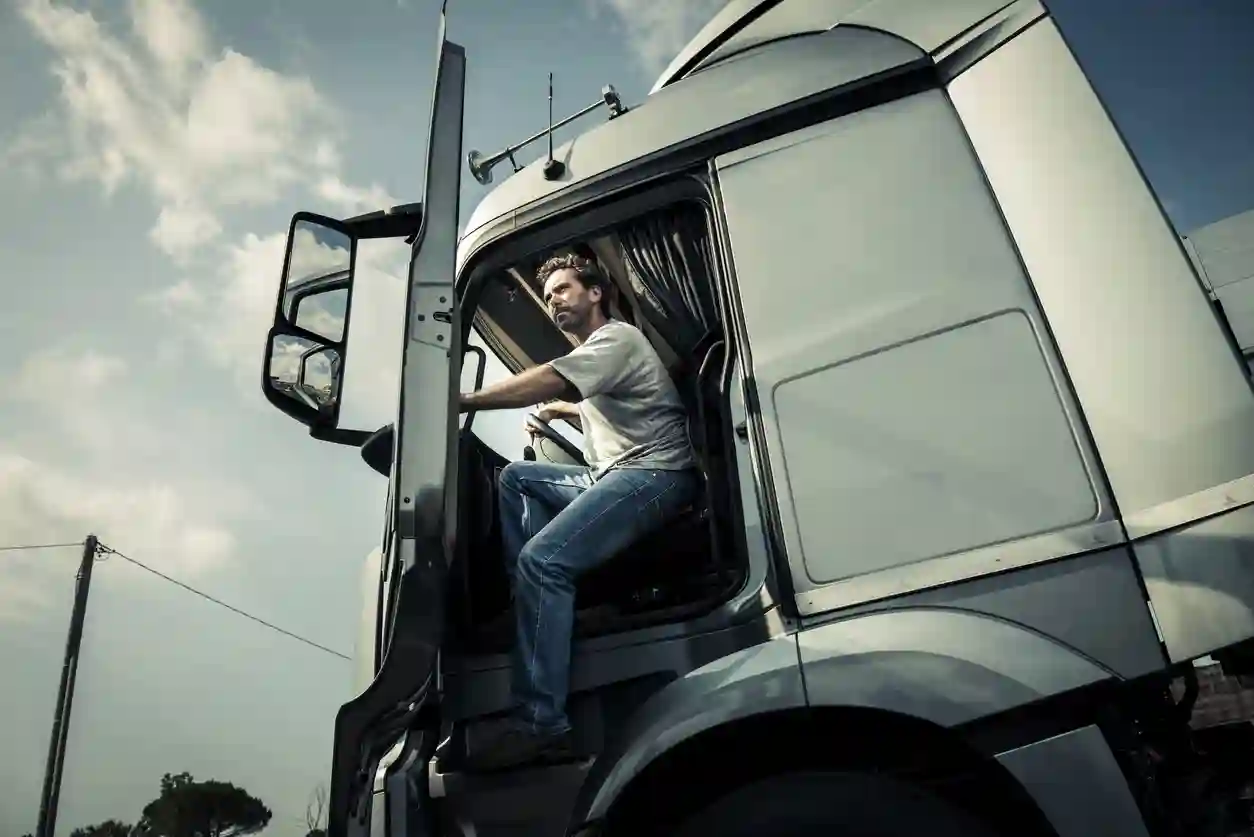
point(21, 547)
point(106, 551)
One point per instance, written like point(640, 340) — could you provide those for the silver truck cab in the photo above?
point(977, 453)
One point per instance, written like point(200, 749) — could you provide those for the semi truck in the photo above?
point(977, 452)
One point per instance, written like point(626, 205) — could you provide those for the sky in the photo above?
point(151, 154)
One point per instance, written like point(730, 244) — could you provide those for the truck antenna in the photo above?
point(481, 165)
point(553, 169)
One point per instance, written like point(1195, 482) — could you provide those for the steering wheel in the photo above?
point(543, 430)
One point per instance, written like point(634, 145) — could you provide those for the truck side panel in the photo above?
point(1077, 784)
point(1164, 394)
point(1119, 632)
point(943, 666)
point(1223, 255)
point(915, 414)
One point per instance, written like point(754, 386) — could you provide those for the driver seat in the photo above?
point(664, 564)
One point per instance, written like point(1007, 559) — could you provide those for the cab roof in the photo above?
point(769, 53)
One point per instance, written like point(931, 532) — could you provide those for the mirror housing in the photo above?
point(307, 345)
point(303, 371)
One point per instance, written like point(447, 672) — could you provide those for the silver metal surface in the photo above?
point(757, 549)
point(727, 17)
point(926, 23)
point(1237, 299)
point(787, 19)
point(386, 761)
point(962, 53)
point(917, 424)
point(372, 595)
point(944, 666)
point(435, 781)
point(1225, 249)
point(1056, 600)
point(1198, 506)
point(1168, 405)
point(1078, 785)
point(896, 581)
point(1201, 582)
point(427, 380)
point(781, 73)
point(756, 680)
point(930, 25)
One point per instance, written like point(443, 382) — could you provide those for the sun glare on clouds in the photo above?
point(202, 130)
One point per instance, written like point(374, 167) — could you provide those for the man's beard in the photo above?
point(573, 320)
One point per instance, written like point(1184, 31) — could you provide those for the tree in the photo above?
point(108, 828)
point(315, 813)
point(187, 808)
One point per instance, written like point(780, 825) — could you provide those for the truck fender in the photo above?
point(752, 681)
point(943, 666)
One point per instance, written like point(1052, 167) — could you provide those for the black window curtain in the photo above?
point(670, 264)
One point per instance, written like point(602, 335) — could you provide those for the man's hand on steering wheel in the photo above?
point(548, 413)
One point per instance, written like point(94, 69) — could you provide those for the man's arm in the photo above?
point(561, 410)
point(533, 386)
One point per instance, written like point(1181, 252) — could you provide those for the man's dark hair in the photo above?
point(586, 270)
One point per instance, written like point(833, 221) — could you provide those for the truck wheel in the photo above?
point(835, 804)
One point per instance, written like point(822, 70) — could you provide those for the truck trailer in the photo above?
point(977, 450)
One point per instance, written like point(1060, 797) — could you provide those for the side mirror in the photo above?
point(303, 372)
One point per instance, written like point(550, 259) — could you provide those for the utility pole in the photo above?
point(65, 695)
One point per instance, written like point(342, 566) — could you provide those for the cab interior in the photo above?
point(664, 268)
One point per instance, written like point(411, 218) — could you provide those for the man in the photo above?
point(560, 521)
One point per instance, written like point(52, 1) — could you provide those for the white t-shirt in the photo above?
point(631, 413)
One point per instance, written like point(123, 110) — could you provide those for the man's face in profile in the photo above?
point(570, 303)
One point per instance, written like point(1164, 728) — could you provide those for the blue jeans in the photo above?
point(556, 524)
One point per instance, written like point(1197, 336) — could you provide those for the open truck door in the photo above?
point(303, 372)
point(395, 702)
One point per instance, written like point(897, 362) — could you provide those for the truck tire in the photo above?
point(835, 804)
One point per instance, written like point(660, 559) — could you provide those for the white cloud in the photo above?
point(350, 199)
point(40, 503)
point(201, 129)
point(79, 399)
point(183, 229)
point(173, 35)
point(58, 384)
point(658, 29)
point(229, 316)
point(54, 372)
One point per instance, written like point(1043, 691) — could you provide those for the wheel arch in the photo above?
point(895, 690)
point(715, 761)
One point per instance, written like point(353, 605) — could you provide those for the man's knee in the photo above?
point(512, 475)
point(535, 563)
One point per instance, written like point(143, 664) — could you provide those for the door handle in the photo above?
point(742, 431)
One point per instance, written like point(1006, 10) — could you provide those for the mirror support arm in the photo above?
point(401, 221)
point(351, 438)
